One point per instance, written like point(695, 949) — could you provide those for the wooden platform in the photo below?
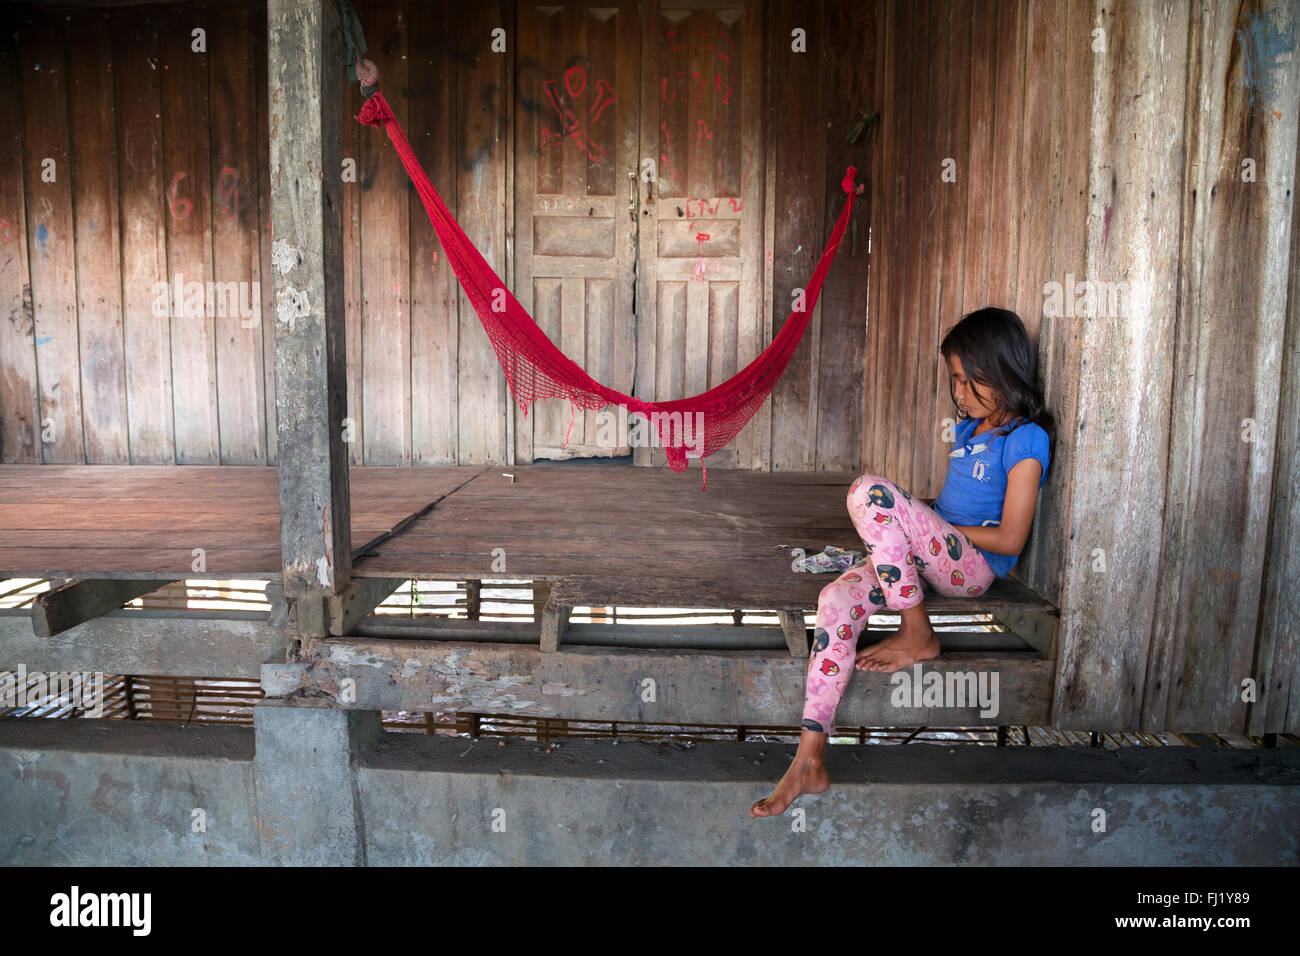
point(641, 537)
point(604, 534)
point(137, 521)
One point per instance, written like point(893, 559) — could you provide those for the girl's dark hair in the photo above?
point(996, 353)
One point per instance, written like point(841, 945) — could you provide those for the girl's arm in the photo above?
point(1017, 512)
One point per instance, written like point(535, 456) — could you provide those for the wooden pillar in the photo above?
point(304, 64)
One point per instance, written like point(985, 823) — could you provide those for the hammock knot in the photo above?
point(849, 176)
point(367, 73)
point(375, 112)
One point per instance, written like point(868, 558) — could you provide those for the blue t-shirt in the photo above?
point(976, 484)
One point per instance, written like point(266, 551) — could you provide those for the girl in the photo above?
point(957, 543)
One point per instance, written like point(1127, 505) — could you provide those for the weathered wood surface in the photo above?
point(434, 289)
point(1121, 441)
point(802, 94)
point(983, 86)
point(482, 165)
point(50, 238)
point(1060, 341)
point(358, 601)
point(1278, 664)
point(575, 248)
point(1226, 428)
point(191, 194)
point(76, 602)
point(587, 683)
point(20, 414)
point(192, 200)
point(700, 260)
point(587, 528)
point(385, 251)
point(142, 521)
point(95, 196)
point(143, 642)
point(236, 229)
point(304, 50)
point(143, 203)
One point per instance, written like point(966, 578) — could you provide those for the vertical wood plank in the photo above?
point(922, 170)
point(979, 175)
point(1039, 193)
point(480, 202)
point(886, 251)
point(800, 213)
point(1223, 437)
point(1278, 663)
point(434, 325)
point(19, 391)
point(262, 125)
point(1008, 112)
point(950, 218)
point(93, 118)
point(235, 239)
point(51, 245)
point(146, 329)
point(850, 74)
point(1060, 347)
point(188, 183)
point(1121, 448)
point(385, 252)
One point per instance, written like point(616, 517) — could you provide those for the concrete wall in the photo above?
point(99, 792)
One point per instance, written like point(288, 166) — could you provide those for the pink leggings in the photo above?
point(906, 541)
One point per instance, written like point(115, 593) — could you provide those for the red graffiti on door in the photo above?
point(567, 105)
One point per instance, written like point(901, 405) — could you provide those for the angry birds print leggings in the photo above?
point(906, 541)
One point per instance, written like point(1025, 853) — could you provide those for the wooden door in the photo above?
point(700, 248)
point(638, 206)
point(577, 76)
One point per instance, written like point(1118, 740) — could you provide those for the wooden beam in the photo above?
point(1039, 629)
point(177, 643)
point(358, 601)
point(61, 608)
point(608, 683)
point(304, 63)
point(796, 632)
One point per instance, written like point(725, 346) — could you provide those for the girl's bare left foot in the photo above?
point(802, 777)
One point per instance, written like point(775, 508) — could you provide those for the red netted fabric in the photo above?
point(536, 369)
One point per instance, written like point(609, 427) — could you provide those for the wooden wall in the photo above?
point(976, 90)
point(128, 159)
point(161, 171)
point(1107, 141)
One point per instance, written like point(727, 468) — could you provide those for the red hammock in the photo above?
point(537, 370)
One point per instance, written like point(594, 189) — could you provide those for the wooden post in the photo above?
point(473, 599)
point(304, 63)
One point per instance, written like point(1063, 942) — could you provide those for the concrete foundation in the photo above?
point(324, 786)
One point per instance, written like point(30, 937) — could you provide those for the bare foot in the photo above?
point(914, 641)
point(804, 776)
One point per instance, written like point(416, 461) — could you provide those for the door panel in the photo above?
point(699, 268)
point(577, 75)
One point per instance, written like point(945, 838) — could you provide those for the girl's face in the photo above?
point(975, 401)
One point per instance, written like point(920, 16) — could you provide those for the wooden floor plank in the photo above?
point(107, 521)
